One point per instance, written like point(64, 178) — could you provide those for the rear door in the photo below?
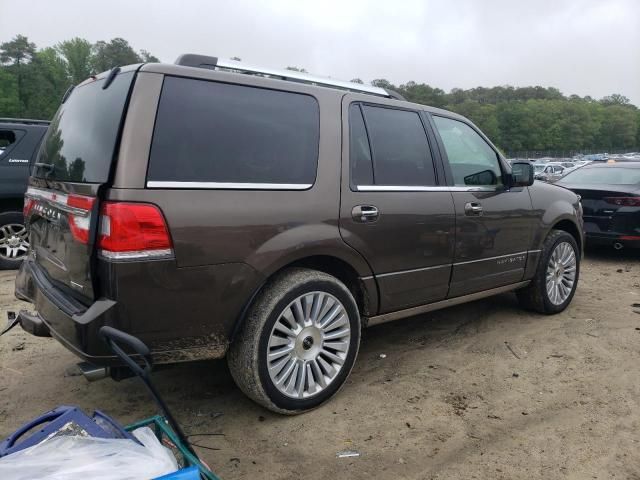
point(73, 162)
point(393, 209)
point(493, 224)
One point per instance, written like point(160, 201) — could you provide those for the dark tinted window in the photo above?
point(7, 138)
point(472, 161)
point(215, 132)
point(401, 154)
point(359, 152)
point(82, 136)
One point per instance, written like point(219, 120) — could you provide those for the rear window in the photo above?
point(216, 133)
point(604, 176)
point(81, 139)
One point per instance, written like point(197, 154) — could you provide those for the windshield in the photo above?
point(538, 168)
point(604, 176)
point(80, 141)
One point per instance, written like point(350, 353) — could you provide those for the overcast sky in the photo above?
point(587, 47)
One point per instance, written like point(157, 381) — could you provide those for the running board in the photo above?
point(409, 312)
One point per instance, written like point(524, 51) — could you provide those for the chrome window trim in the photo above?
point(228, 185)
point(418, 188)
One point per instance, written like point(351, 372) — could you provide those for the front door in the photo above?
point(493, 224)
point(393, 209)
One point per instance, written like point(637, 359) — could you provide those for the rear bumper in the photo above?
point(595, 236)
point(76, 326)
point(611, 239)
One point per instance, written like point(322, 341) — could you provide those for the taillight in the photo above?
point(624, 201)
point(28, 206)
point(133, 231)
point(80, 216)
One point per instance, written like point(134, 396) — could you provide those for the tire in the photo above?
point(316, 294)
point(13, 240)
point(536, 296)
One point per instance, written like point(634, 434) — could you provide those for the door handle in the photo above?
point(365, 213)
point(473, 209)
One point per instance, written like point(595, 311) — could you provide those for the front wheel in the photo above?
point(299, 342)
point(556, 279)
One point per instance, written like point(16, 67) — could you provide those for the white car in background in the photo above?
point(549, 172)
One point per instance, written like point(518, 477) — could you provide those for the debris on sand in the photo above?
point(511, 350)
point(348, 454)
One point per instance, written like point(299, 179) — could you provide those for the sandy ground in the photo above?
point(449, 400)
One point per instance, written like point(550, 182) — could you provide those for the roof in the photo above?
point(613, 165)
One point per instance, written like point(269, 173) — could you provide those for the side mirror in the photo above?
point(521, 174)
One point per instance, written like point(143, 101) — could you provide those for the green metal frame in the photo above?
point(160, 427)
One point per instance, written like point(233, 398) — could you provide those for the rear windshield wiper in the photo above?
point(49, 168)
point(46, 166)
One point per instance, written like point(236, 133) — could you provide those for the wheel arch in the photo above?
point(569, 226)
point(11, 205)
point(363, 289)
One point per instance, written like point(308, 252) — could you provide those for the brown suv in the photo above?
point(214, 208)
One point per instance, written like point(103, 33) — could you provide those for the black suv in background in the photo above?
point(211, 207)
point(19, 142)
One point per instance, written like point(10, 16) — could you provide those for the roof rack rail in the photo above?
point(25, 120)
point(212, 63)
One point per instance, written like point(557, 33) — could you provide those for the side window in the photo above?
point(472, 161)
point(359, 152)
point(401, 154)
point(7, 138)
point(234, 135)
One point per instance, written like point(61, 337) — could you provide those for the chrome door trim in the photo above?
point(413, 270)
point(492, 258)
point(409, 312)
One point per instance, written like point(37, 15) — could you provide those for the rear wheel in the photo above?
point(554, 284)
point(14, 240)
point(299, 342)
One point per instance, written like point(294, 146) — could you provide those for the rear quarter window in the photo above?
point(219, 135)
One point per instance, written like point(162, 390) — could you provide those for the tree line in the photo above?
point(536, 118)
point(32, 82)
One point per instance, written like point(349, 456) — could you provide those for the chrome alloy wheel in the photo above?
point(561, 273)
point(14, 241)
point(308, 345)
